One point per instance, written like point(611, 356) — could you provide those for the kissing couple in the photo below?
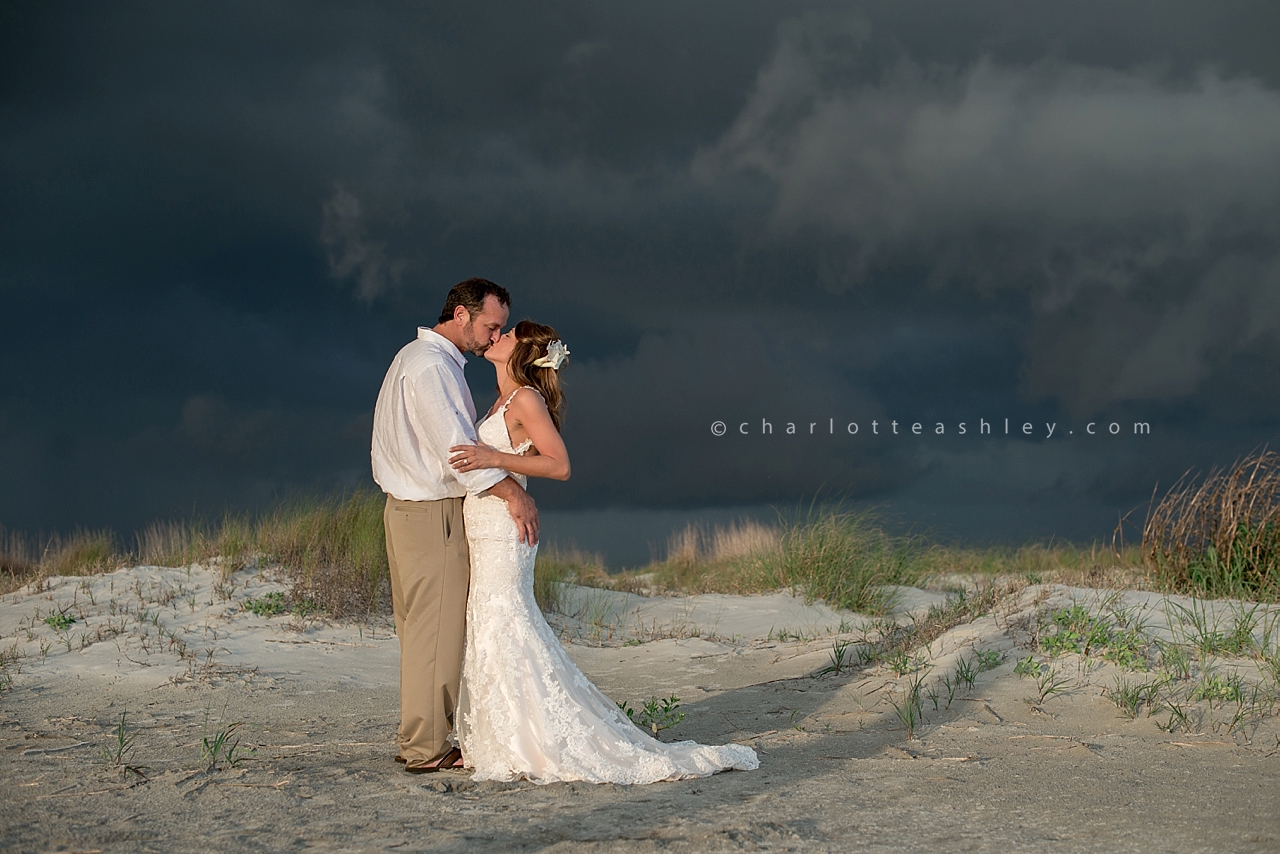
point(486, 665)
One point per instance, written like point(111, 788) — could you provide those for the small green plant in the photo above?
point(1126, 649)
point(1238, 640)
point(901, 663)
point(910, 712)
point(59, 621)
point(1048, 683)
point(1076, 630)
point(950, 686)
point(795, 726)
point(1179, 719)
point(220, 744)
point(839, 659)
point(118, 754)
point(966, 673)
point(1199, 628)
point(1269, 664)
point(1028, 667)
point(1218, 689)
point(304, 608)
point(1130, 699)
point(11, 657)
point(989, 659)
point(785, 634)
point(1175, 659)
point(657, 714)
point(268, 606)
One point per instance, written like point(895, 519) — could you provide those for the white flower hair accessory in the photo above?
point(556, 354)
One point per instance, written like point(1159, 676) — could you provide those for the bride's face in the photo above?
point(500, 353)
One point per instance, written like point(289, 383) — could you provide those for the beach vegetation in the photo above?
point(841, 659)
point(119, 753)
point(1048, 682)
point(657, 713)
point(1216, 537)
point(220, 743)
point(966, 672)
point(331, 551)
point(10, 665)
point(269, 605)
point(1131, 697)
point(908, 706)
point(848, 558)
point(989, 659)
point(556, 566)
point(59, 620)
point(1078, 630)
point(1219, 535)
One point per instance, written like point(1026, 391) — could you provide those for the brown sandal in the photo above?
point(451, 761)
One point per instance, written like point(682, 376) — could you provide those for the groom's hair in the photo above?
point(471, 295)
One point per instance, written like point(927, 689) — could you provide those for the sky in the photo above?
point(222, 223)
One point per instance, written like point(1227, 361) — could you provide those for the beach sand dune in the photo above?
point(1041, 759)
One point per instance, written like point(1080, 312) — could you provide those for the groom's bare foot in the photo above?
point(449, 762)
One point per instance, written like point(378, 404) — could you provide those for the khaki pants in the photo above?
point(430, 574)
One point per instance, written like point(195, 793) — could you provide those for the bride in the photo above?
point(524, 708)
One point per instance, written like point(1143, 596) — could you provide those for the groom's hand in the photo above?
point(521, 507)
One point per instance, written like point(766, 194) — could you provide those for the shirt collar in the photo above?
point(427, 334)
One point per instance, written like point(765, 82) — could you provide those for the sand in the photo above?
point(178, 653)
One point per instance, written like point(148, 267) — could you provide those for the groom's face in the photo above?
point(486, 327)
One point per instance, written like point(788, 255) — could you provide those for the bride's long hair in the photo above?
point(532, 340)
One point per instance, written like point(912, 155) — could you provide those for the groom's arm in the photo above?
point(435, 400)
point(521, 507)
point(439, 416)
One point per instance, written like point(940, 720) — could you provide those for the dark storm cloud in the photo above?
point(1141, 211)
point(222, 224)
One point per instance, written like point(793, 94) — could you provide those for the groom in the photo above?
point(424, 408)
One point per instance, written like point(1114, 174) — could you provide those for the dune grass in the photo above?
point(1217, 537)
point(557, 566)
point(330, 550)
point(332, 553)
point(847, 559)
point(828, 553)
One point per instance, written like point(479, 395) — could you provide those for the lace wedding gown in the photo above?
point(524, 708)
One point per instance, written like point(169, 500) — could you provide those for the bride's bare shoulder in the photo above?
point(527, 398)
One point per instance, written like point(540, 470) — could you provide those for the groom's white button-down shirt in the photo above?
point(425, 408)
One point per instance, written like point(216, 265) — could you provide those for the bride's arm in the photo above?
point(552, 459)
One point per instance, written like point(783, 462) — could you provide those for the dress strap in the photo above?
point(507, 402)
point(527, 443)
point(512, 396)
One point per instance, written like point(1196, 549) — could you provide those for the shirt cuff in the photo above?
point(481, 480)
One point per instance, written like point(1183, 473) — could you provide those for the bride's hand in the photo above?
point(472, 457)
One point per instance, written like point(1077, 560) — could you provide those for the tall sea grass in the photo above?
point(558, 566)
point(827, 552)
point(331, 550)
point(1219, 535)
point(82, 552)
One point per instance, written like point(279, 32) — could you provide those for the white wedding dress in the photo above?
point(525, 710)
